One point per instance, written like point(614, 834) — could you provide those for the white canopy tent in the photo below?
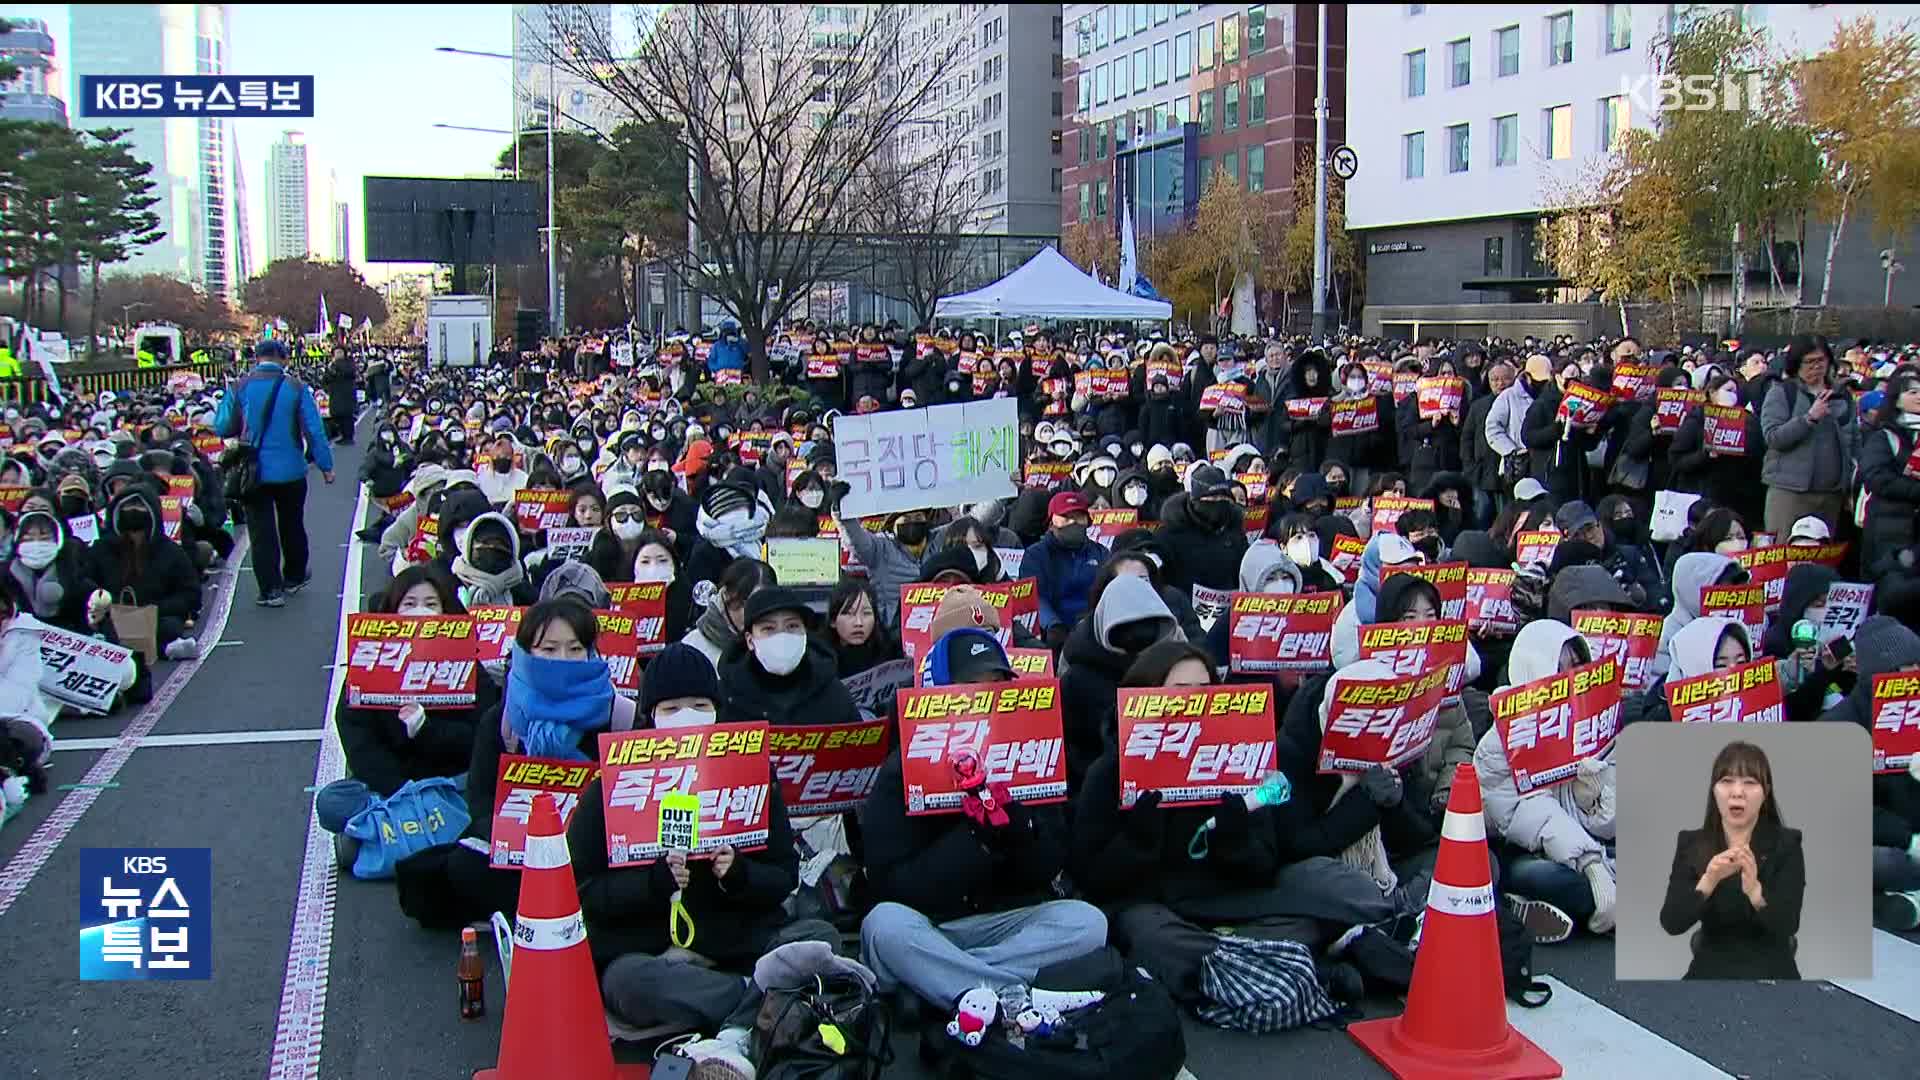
point(1047, 286)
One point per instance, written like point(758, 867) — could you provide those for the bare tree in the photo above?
point(920, 205)
point(779, 117)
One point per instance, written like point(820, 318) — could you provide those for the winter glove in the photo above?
point(1382, 785)
point(1588, 781)
point(1146, 823)
point(1600, 880)
point(414, 717)
point(1231, 821)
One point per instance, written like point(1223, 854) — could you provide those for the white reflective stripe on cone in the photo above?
point(545, 853)
point(549, 934)
point(1471, 828)
point(1455, 900)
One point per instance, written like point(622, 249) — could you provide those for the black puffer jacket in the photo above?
point(1198, 554)
point(812, 694)
point(159, 574)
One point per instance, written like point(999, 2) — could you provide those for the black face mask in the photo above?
point(134, 522)
point(503, 464)
point(1337, 487)
point(73, 506)
point(1626, 530)
point(1134, 637)
point(1071, 536)
point(490, 560)
point(911, 533)
point(1215, 514)
point(1430, 547)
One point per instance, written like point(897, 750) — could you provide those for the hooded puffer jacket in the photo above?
point(1552, 822)
point(1203, 553)
point(1883, 644)
point(1694, 572)
point(164, 578)
point(1265, 568)
point(505, 586)
point(1385, 549)
point(1693, 649)
point(1099, 650)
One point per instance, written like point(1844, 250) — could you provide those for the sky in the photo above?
point(379, 88)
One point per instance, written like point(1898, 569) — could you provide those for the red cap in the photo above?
point(1067, 502)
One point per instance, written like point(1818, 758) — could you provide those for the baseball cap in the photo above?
point(974, 656)
point(1207, 480)
point(1810, 528)
point(1573, 517)
point(1529, 489)
point(1066, 502)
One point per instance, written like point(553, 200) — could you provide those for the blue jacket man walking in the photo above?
point(277, 411)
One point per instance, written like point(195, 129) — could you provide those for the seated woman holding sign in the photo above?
point(487, 563)
point(135, 562)
point(1103, 645)
point(1693, 574)
point(53, 575)
point(1708, 644)
point(679, 940)
point(1557, 855)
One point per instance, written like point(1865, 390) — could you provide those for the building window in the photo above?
point(1230, 116)
point(1559, 132)
point(1506, 139)
point(1206, 112)
point(1560, 39)
point(1100, 131)
point(1182, 109)
point(1230, 164)
point(1615, 117)
point(1140, 14)
point(1206, 173)
point(1122, 75)
point(1256, 29)
point(1619, 27)
point(1182, 55)
point(1416, 9)
point(1414, 149)
point(1101, 85)
point(1086, 144)
point(1161, 13)
point(1458, 149)
point(1460, 62)
point(1256, 168)
point(1161, 71)
point(1086, 91)
point(1122, 22)
point(1100, 198)
point(1086, 202)
point(1493, 262)
point(1058, 105)
point(1257, 100)
point(1206, 47)
point(1141, 74)
point(1417, 73)
point(1102, 21)
point(1506, 49)
point(1230, 38)
point(1055, 182)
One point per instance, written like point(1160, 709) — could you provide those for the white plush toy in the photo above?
point(976, 1013)
point(13, 796)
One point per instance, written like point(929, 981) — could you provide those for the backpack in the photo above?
point(1516, 961)
point(835, 1029)
point(1135, 1034)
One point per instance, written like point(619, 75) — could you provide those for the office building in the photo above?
point(288, 236)
point(342, 233)
point(1467, 117)
point(34, 94)
point(541, 31)
point(192, 171)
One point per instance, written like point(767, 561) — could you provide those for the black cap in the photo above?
point(973, 656)
point(767, 601)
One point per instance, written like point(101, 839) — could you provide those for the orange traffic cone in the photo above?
point(553, 1025)
point(1455, 1026)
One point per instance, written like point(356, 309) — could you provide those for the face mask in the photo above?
point(911, 533)
point(131, 522)
point(1337, 487)
point(811, 498)
point(1815, 615)
point(1139, 449)
point(1103, 477)
point(781, 653)
point(1071, 536)
point(1133, 637)
point(38, 554)
point(1726, 397)
point(73, 506)
point(503, 464)
point(1430, 547)
point(491, 560)
point(570, 464)
point(661, 572)
point(1356, 386)
point(1730, 547)
point(1304, 550)
point(685, 717)
point(386, 436)
point(1134, 495)
point(629, 529)
point(980, 557)
point(1627, 530)
point(657, 466)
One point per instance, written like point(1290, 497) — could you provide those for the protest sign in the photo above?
point(1305, 408)
point(181, 486)
point(1271, 632)
point(646, 603)
point(426, 539)
point(1011, 559)
point(1228, 398)
point(873, 690)
point(494, 626)
point(1014, 600)
point(1549, 725)
point(1830, 555)
point(1386, 722)
point(209, 444)
point(1046, 475)
point(1411, 648)
point(173, 511)
point(395, 660)
point(1194, 744)
point(1256, 485)
point(1440, 395)
point(1766, 566)
point(723, 766)
point(1634, 382)
point(535, 509)
point(521, 778)
point(804, 560)
point(1012, 728)
point(1449, 578)
point(1209, 604)
point(826, 768)
point(1629, 638)
point(1255, 520)
point(84, 528)
point(1535, 546)
point(80, 671)
point(570, 543)
point(1744, 604)
point(1581, 404)
point(1379, 376)
point(1404, 385)
point(1031, 663)
point(1847, 607)
point(1387, 510)
point(1356, 417)
point(1748, 694)
point(1107, 524)
point(1896, 721)
point(1346, 555)
point(1167, 369)
point(1489, 606)
point(1671, 406)
point(618, 644)
point(939, 456)
point(1725, 428)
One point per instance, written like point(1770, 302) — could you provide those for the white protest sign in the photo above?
point(85, 528)
point(570, 543)
point(623, 353)
point(80, 671)
point(873, 690)
point(1847, 607)
point(939, 456)
point(1010, 560)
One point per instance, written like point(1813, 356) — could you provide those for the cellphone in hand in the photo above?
point(1841, 648)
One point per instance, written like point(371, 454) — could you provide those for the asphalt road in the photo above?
point(390, 993)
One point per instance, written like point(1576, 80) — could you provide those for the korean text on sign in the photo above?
point(1387, 510)
point(1413, 648)
point(1013, 728)
point(1380, 722)
point(1549, 725)
point(1273, 632)
point(1450, 579)
point(1672, 404)
point(1535, 546)
point(618, 645)
point(1724, 428)
point(494, 626)
point(1767, 566)
point(1629, 638)
point(725, 766)
point(80, 671)
point(944, 455)
point(1745, 604)
point(521, 778)
point(646, 602)
point(1194, 745)
point(535, 509)
point(1355, 417)
point(1489, 605)
point(827, 768)
point(1748, 694)
point(425, 660)
point(1896, 721)
point(146, 913)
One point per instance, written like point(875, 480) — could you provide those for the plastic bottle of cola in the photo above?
point(473, 977)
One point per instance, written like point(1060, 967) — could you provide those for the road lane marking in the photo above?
point(204, 738)
point(1590, 1040)
point(1895, 985)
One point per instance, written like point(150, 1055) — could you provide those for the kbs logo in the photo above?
point(146, 913)
point(196, 95)
point(1648, 94)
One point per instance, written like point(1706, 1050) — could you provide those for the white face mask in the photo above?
point(1139, 450)
point(1815, 615)
point(781, 653)
point(811, 498)
point(629, 529)
point(1134, 495)
point(684, 717)
point(653, 572)
point(38, 554)
point(1356, 386)
point(460, 537)
point(1726, 396)
point(569, 464)
point(1730, 547)
point(1304, 550)
point(980, 556)
point(1103, 477)
point(657, 466)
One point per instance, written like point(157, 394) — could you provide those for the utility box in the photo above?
point(459, 330)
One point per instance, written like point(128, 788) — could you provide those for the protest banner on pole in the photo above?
point(1748, 694)
point(1489, 606)
point(1274, 632)
point(1896, 721)
point(521, 778)
point(396, 660)
point(1449, 578)
point(1386, 722)
point(1013, 729)
point(826, 768)
point(939, 456)
point(1412, 648)
point(1631, 639)
point(1194, 744)
point(695, 790)
point(1549, 725)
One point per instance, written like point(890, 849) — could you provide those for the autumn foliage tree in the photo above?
point(126, 300)
point(291, 289)
point(1093, 247)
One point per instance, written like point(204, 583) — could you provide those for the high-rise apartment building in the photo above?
point(541, 31)
point(34, 94)
point(288, 235)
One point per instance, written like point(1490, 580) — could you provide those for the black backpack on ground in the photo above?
point(1135, 1034)
point(1516, 961)
point(835, 1029)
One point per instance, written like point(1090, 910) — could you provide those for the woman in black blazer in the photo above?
point(1741, 876)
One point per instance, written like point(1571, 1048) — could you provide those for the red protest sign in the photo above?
point(724, 766)
point(521, 778)
point(1449, 578)
point(1634, 382)
point(1896, 721)
point(1748, 694)
point(1356, 417)
point(1388, 508)
point(1305, 408)
point(1346, 555)
point(1630, 639)
point(1031, 663)
point(617, 645)
point(1439, 395)
point(494, 626)
point(1672, 404)
point(1256, 485)
point(535, 509)
point(1169, 370)
point(1016, 601)
point(1535, 546)
point(426, 539)
point(1380, 722)
point(173, 510)
point(181, 486)
point(1379, 376)
point(209, 444)
point(829, 768)
point(1489, 606)
point(1825, 554)
point(1404, 385)
point(1229, 398)
point(646, 601)
point(823, 366)
point(1411, 648)
point(395, 660)
point(1013, 728)
point(1725, 428)
point(1767, 566)
point(1270, 632)
point(1745, 604)
point(1194, 745)
point(1107, 524)
point(1255, 520)
point(1549, 725)
point(1047, 475)
point(1583, 404)
point(728, 377)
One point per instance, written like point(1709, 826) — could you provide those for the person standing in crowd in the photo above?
point(276, 411)
point(1808, 422)
point(342, 380)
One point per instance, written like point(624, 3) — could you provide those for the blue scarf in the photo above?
point(551, 703)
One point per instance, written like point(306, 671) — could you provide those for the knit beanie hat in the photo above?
point(962, 605)
point(680, 670)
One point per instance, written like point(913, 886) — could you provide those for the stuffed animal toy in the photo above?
point(977, 1011)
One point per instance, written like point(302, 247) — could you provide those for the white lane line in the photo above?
point(303, 992)
point(204, 738)
point(1590, 1040)
point(1896, 976)
point(33, 855)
